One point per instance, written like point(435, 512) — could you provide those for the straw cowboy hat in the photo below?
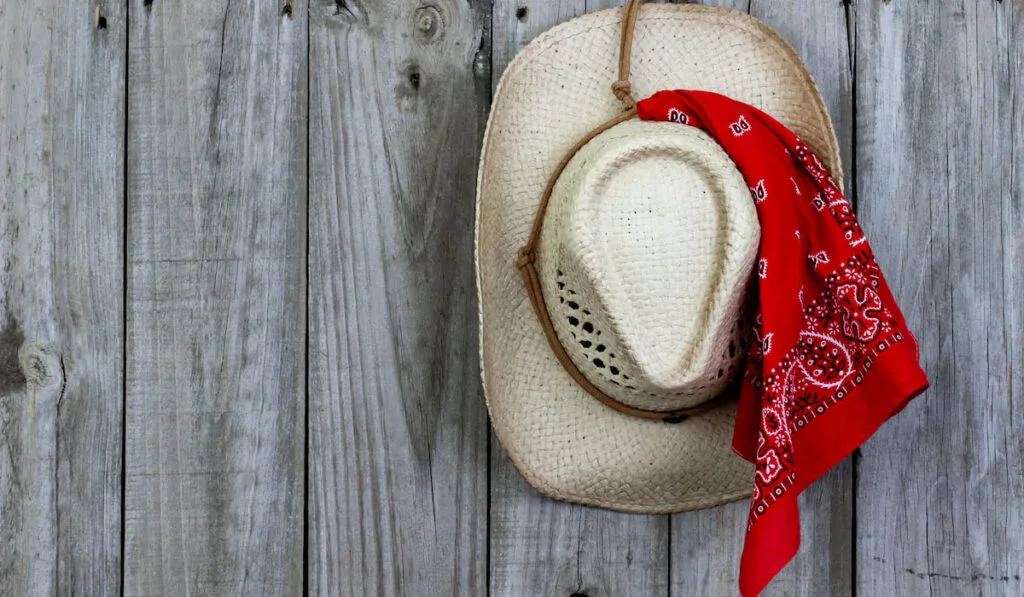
point(613, 256)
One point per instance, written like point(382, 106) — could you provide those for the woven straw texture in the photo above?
point(564, 442)
point(646, 250)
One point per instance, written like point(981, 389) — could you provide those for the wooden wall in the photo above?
point(238, 348)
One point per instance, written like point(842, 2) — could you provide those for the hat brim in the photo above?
point(565, 443)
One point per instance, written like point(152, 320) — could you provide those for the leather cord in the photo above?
point(528, 253)
point(621, 88)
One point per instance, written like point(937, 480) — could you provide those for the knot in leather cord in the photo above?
point(525, 258)
point(624, 91)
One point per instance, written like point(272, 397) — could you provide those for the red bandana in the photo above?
point(833, 358)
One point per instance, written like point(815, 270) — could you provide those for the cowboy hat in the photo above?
point(608, 354)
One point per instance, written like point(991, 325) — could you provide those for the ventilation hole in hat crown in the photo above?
point(732, 349)
point(583, 328)
point(720, 373)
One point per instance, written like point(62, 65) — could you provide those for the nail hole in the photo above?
point(414, 80)
point(522, 13)
point(287, 10)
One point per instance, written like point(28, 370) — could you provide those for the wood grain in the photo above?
point(61, 297)
point(540, 546)
point(706, 545)
point(940, 493)
point(398, 430)
point(216, 298)
point(407, 492)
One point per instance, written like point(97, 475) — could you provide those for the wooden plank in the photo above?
point(543, 547)
point(216, 298)
point(540, 546)
point(940, 500)
point(706, 545)
point(397, 424)
point(61, 297)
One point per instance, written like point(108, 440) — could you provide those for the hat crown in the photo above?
point(645, 254)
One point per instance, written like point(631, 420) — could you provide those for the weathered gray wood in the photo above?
point(216, 298)
point(940, 494)
point(61, 297)
point(706, 545)
point(540, 546)
point(398, 431)
point(543, 547)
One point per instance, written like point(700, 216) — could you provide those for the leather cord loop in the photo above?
point(527, 255)
point(621, 88)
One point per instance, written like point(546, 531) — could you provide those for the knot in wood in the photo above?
point(39, 365)
point(429, 25)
